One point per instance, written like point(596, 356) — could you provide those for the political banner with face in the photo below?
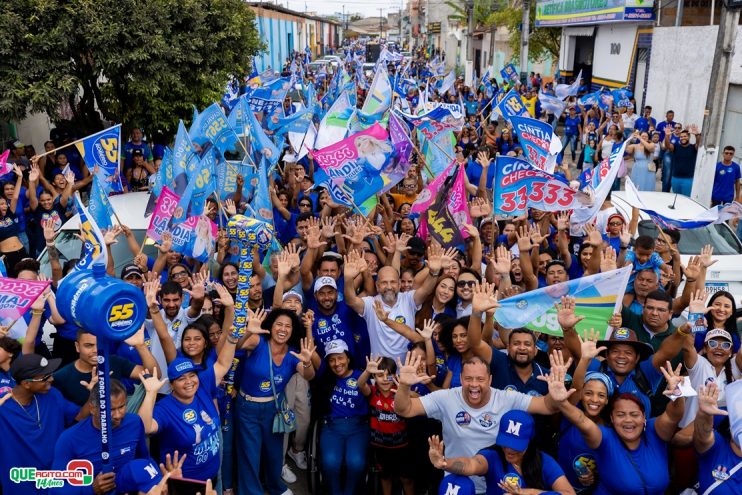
point(520, 186)
point(509, 73)
point(538, 140)
point(512, 105)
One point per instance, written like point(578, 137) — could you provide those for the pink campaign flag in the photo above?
point(427, 195)
point(5, 167)
point(17, 296)
point(164, 209)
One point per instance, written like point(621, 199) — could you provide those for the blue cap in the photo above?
point(139, 475)
point(179, 367)
point(455, 483)
point(517, 428)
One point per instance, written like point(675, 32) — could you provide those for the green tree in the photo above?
point(142, 63)
point(541, 41)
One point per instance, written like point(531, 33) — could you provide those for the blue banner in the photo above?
point(512, 105)
point(211, 126)
point(509, 73)
point(536, 138)
point(99, 207)
point(103, 150)
point(93, 246)
point(520, 185)
point(269, 97)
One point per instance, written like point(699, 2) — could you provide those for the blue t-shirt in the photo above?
point(550, 471)
point(572, 448)
point(346, 399)
point(286, 228)
point(715, 464)
point(642, 124)
point(650, 459)
point(6, 382)
point(9, 226)
point(654, 262)
point(505, 377)
point(82, 441)
point(471, 107)
point(725, 179)
point(344, 324)
point(474, 173)
point(453, 363)
point(32, 446)
point(653, 377)
point(192, 429)
point(256, 378)
point(572, 125)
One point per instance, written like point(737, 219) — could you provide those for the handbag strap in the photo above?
point(716, 483)
point(270, 367)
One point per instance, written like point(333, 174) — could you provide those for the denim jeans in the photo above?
point(255, 442)
point(570, 139)
point(682, 186)
point(666, 171)
point(228, 437)
point(344, 443)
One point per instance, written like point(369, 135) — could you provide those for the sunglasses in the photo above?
point(305, 205)
point(725, 346)
point(465, 283)
point(179, 275)
point(615, 224)
point(44, 378)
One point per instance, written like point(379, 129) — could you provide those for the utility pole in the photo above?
point(524, 32)
point(716, 102)
point(381, 29)
point(469, 69)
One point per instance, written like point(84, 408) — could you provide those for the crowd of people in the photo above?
point(371, 354)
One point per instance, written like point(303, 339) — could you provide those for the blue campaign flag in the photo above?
point(621, 97)
point(231, 93)
point(509, 73)
point(201, 184)
point(296, 122)
point(103, 149)
point(551, 104)
point(520, 185)
point(605, 100)
point(164, 174)
point(537, 139)
point(589, 99)
point(99, 207)
point(211, 126)
point(93, 246)
point(261, 201)
point(259, 140)
point(185, 160)
point(511, 104)
point(3, 270)
point(269, 97)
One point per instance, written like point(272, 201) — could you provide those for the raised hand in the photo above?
point(615, 321)
point(225, 298)
point(166, 242)
point(255, 321)
point(230, 207)
point(693, 270)
point(624, 236)
point(408, 371)
point(706, 253)
point(673, 378)
point(198, 285)
point(557, 390)
point(33, 175)
point(524, 239)
point(566, 316)
point(284, 264)
point(698, 303)
point(608, 260)
point(379, 310)
point(428, 329)
point(314, 234)
point(109, 238)
point(484, 298)
point(504, 261)
point(708, 400)
point(151, 289)
point(150, 382)
point(588, 344)
point(307, 349)
point(353, 264)
point(471, 230)
point(307, 319)
point(372, 365)
point(436, 452)
point(137, 339)
point(70, 178)
point(173, 465)
point(563, 221)
point(328, 227)
point(536, 237)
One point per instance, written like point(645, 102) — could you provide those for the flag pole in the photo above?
point(79, 141)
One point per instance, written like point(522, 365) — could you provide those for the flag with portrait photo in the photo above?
point(16, 298)
point(5, 167)
point(211, 126)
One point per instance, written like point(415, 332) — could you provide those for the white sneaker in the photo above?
point(300, 458)
point(288, 492)
point(287, 476)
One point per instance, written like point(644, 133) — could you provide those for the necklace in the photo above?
point(23, 408)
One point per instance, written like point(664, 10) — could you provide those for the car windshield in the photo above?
point(720, 236)
point(69, 247)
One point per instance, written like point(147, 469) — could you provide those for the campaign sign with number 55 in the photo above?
point(520, 185)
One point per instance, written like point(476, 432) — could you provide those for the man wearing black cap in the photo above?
point(132, 274)
point(31, 415)
point(414, 257)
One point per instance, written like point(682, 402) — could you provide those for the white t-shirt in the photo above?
point(467, 430)
point(700, 374)
point(629, 120)
point(385, 341)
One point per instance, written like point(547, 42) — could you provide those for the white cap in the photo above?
point(323, 282)
point(718, 332)
point(336, 346)
point(293, 293)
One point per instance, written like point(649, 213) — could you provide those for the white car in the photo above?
point(130, 210)
point(726, 273)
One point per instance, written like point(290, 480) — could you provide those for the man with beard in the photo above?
point(400, 306)
point(683, 160)
point(470, 414)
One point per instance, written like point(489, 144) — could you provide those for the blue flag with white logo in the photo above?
point(99, 207)
point(93, 246)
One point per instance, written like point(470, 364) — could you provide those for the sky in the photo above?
point(367, 8)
